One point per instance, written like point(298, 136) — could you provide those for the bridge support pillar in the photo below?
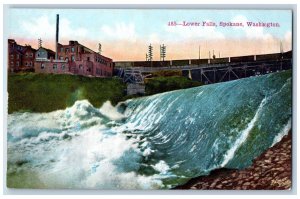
point(190, 74)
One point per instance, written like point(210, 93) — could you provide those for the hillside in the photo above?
point(32, 92)
point(47, 92)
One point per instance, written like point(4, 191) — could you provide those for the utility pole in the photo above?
point(281, 47)
point(199, 55)
point(99, 48)
point(281, 52)
point(40, 42)
point(150, 54)
point(162, 52)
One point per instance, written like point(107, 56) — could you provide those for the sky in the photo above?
point(125, 34)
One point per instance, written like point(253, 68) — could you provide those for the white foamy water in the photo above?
point(73, 149)
point(283, 132)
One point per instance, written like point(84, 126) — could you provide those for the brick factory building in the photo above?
point(20, 58)
point(73, 58)
point(84, 61)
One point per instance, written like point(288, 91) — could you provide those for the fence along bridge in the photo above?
point(211, 73)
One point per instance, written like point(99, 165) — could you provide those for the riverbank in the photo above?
point(272, 170)
point(32, 92)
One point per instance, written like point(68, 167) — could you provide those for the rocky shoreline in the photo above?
point(272, 170)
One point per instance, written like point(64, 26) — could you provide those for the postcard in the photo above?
point(138, 99)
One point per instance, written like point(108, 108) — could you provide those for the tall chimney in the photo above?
point(57, 31)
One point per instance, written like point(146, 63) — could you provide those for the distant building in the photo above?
point(20, 58)
point(73, 58)
point(44, 54)
point(45, 62)
point(84, 61)
point(28, 59)
point(51, 66)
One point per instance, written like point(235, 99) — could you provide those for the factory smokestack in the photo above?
point(57, 31)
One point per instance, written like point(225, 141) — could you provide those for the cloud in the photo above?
point(287, 42)
point(153, 38)
point(38, 28)
point(41, 27)
point(120, 31)
point(288, 36)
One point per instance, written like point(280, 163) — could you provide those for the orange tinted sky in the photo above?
point(126, 50)
point(126, 34)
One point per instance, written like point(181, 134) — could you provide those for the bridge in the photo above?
point(211, 73)
point(131, 75)
point(232, 71)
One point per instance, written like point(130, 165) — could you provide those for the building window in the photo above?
point(61, 49)
point(18, 56)
point(26, 54)
point(31, 54)
point(26, 63)
point(17, 64)
point(72, 49)
point(54, 66)
point(30, 63)
point(12, 56)
point(88, 58)
point(73, 58)
point(61, 58)
point(67, 59)
point(63, 67)
point(67, 50)
point(42, 66)
point(80, 66)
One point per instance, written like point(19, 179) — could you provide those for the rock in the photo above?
point(247, 183)
point(271, 170)
point(219, 186)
